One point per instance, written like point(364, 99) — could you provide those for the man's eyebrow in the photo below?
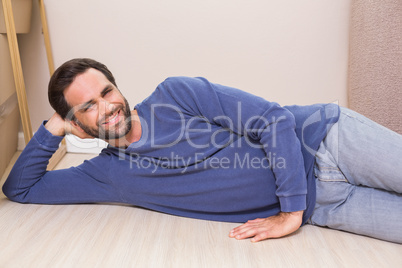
point(103, 93)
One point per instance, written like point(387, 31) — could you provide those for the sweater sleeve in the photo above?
point(30, 182)
point(265, 124)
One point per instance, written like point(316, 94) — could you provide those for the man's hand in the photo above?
point(60, 127)
point(272, 227)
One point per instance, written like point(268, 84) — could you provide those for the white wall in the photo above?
point(289, 51)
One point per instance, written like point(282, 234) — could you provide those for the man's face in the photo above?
point(99, 108)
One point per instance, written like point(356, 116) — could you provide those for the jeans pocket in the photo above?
point(324, 170)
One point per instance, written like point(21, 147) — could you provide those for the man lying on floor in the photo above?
point(208, 151)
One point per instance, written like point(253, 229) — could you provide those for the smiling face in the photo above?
point(98, 106)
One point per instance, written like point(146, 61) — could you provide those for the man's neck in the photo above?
point(132, 136)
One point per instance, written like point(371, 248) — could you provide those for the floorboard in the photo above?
point(109, 235)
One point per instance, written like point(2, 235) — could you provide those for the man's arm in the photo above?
point(59, 127)
point(267, 123)
point(30, 182)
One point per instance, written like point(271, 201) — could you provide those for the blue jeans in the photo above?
point(359, 179)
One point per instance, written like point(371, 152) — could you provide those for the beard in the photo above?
point(120, 130)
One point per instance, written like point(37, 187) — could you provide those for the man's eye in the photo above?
point(107, 92)
point(88, 107)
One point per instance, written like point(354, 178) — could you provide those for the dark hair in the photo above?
point(65, 75)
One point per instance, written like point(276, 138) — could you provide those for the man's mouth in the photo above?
point(113, 118)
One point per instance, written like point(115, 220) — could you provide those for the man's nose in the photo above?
point(105, 107)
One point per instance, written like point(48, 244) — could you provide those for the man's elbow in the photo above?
point(13, 194)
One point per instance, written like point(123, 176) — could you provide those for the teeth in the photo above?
point(113, 118)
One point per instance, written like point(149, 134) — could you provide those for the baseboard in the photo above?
point(74, 144)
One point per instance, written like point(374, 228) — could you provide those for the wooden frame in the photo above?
point(18, 74)
point(46, 37)
point(17, 69)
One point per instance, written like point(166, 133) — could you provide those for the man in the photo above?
point(207, 151)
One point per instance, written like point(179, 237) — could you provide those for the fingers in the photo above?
point(252, 228)
point(56, 125)
point(243, 233)
point(261, 236)
point(257, 233)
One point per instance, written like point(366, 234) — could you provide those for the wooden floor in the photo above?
point(105, 235)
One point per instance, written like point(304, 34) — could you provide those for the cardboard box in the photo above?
point(22, 10)
point(7, 84)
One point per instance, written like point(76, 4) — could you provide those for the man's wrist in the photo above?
point(295, 215)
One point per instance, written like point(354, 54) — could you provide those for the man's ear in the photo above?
point(75, 124)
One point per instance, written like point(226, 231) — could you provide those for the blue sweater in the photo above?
point(207, 151)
